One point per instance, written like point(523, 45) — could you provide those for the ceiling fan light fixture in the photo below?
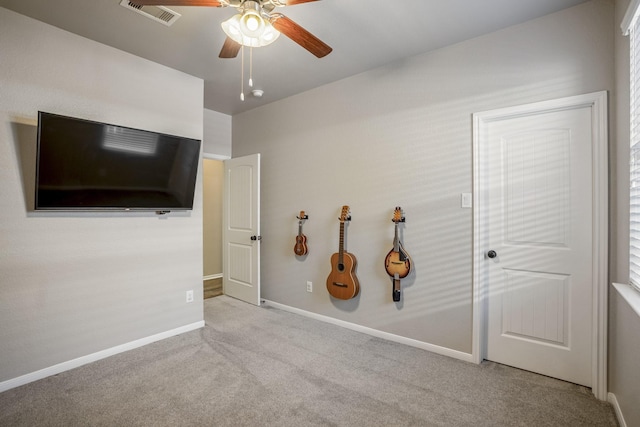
point(270, 34)
point(264, 35)
point(231, 28)
point(252, 24)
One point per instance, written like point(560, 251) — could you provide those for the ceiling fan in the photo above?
point(254, 24)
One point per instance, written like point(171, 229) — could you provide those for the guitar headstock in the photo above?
point(302, 215)
point(344, 216)
point(397, 215)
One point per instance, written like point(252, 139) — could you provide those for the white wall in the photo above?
point(217, 134)
point(216, 145)
point(401, 135)
point(73, 284)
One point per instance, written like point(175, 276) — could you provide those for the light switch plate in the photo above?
point(466, 200)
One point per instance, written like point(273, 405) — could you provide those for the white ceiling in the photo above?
point(364, 34)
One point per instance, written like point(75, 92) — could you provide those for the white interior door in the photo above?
point(538, 237)
point(241, 224)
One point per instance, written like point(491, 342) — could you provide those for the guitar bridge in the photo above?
point(340, 285)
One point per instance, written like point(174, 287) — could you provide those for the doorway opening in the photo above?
point(212, 186)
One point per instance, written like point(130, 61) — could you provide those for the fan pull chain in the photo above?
point(251, 66)
point(242, 76)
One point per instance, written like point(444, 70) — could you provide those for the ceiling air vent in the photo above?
point(158, 13)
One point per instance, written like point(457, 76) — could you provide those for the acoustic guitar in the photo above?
point(342, 282)
point(300, 247)
point(397, 262)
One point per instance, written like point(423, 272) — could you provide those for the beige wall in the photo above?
point(624, 348)
point(624, 322)
point(75, 284)
point(401, 135)
point(212, 179)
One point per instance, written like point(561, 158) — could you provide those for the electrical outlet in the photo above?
point(189, 296)
point(309, 286)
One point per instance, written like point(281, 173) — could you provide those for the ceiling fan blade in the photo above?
point(212, 3)
point(230, 48)
point(299, 35)
point(294, 2)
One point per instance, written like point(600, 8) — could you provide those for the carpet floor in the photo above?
point(260, 366)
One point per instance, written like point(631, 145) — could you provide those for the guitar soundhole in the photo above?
point(341, 267)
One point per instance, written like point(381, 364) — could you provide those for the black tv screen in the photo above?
point(86, 165)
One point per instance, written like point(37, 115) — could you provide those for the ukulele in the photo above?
point(342, 282)
point(398, 262)
point(300, 247)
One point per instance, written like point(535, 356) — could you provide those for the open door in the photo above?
point(241, 224)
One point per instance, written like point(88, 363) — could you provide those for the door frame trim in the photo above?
point(597, 101)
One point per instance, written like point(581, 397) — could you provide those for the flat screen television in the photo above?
point(86, 165)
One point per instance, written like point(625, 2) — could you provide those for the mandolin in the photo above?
point(398, 262)
point(342, 282)
point(300, 247)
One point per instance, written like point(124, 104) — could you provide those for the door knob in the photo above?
point(492, 254)
point(256, 237)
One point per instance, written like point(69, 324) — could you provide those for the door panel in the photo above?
point(537, 180)
point(540, 225)
point(535, 307)
point(241, 222)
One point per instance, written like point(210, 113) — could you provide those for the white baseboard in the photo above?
point(616, 407)
point(75, 363)
point(467, 357)
point(212, 276)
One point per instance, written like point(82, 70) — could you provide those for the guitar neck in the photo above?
point(341, 245)
point(396, 241)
